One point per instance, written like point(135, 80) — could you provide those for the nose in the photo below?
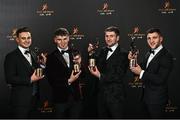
point(108, 38)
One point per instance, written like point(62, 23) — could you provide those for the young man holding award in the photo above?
point(111, 66)
point(63, 72)
point(22, 73)
point(154, 72)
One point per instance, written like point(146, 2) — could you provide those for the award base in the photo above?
point(76, 68)
point(39, 72)
point(91, 62)
point(133, 63)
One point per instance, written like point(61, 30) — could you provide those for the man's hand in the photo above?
point(73, 77)
point(137, 70)
point(94, 71)
point(35, 78)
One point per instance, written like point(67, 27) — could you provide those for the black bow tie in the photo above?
point(109, 49)
point(26, 52)
point(64, 51)
point(151, 51)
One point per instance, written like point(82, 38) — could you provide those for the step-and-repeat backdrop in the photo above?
point(86, 21)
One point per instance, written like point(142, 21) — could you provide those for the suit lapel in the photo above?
point(24, 60)
point(161, 52)
point(118, 49)
point(60, 58)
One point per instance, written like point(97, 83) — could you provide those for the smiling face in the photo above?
point(154, 40)
point(24, 39)
point(61, 41)
point(111, 38)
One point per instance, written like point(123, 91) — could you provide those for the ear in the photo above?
point(161, 38)
point(17, 39)
point(118, 37)
point(54, 40)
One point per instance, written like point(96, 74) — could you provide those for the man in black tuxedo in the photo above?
point(20, 74)
point(111, 68)
point(154, 72)
point(62, 77)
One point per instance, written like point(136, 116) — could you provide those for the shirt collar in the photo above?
point(114, 47)
point(60, 49)
point(157, 49)
point(22, 49)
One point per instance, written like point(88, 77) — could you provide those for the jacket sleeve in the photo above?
point(12, 73)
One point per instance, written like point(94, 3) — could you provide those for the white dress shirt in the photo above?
point(150, 59)
point(113, 48)
point(27, 56)
point(65, 56)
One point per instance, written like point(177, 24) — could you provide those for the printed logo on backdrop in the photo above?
point(105, 9)
point(136, 34)
point(167, 7)
point(170, 107)
point(12, 35)
point(76, 34)
point(44, 10)
point(135, 82)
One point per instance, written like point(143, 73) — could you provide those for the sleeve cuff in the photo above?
point(69, 83)
point(141, 74)
point(42, 66)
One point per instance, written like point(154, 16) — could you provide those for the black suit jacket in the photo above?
point(58, 74)
point(155, 77)
point(112, 72)
point(18, 72)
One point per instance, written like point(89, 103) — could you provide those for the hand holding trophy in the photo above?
point(133, 53)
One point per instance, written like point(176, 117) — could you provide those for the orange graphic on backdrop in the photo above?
point(44, 7)
point(136, 30)
point(105, 6)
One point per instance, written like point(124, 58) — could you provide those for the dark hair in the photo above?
point(112, 29)
point(61, 32)
point(76, 52)
point(22, 29)
point(152, 30)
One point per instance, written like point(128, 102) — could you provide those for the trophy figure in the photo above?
point(76, 59)
point(93, 48)
point(134, 52)
point(41, 60)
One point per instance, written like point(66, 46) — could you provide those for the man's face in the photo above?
point(24, 39)
point(154, 40)
point(62, 41)
point(111, 38)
